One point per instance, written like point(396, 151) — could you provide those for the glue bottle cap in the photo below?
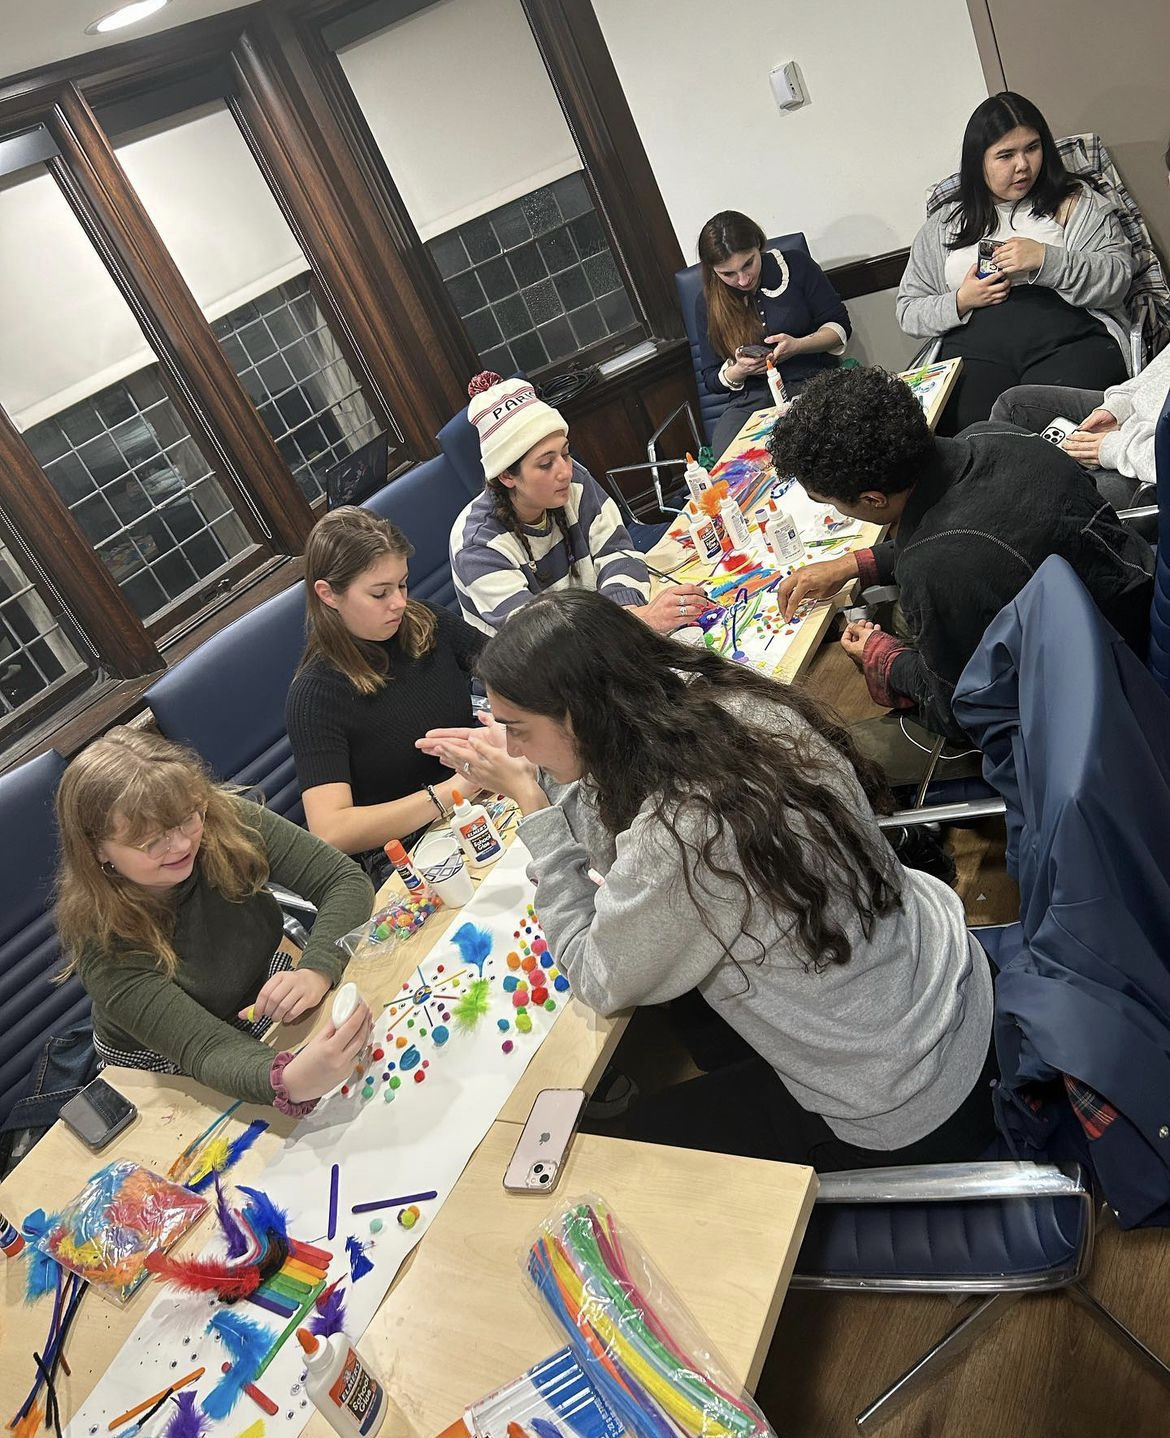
point(456, 798)
point(308, 1341)
point(395, 852)
point(690, 458)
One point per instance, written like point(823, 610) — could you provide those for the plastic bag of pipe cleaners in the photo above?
point(123, 1213)
point(639, 1347)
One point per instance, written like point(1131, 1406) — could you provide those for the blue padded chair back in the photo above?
point(424, 503)
point(689, 283)
point(459, 441)
point(34, 1008)
point(226, 700)
point(1159, 652)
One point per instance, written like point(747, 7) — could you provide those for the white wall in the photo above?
point(891, 86)
point(462, 108)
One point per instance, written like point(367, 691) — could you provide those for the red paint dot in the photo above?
point(419, 1075)
point(439, 970)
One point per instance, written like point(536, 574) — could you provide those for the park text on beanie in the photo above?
point(510, 420)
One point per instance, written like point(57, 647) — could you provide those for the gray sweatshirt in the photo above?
point(1136, 405)
point(885, 1047)
point(1093, 270)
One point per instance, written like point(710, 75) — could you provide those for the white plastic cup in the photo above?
point(439, 859)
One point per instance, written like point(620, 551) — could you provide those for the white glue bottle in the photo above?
point(478, 836)
point(696, 477)
point(734, 524)
point(705, 536)
point(776, 385)
point(342, 1386)
point(784, 537)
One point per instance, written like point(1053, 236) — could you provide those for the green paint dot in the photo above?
point(422, 1033)
point(410, 1023)
point(395, 1082)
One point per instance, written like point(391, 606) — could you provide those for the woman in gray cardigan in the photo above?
point(1024, 275)
point(730, 822)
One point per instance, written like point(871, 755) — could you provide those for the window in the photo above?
point(37, 653)
point(534, 281)
point(306, 393)
point(140, 490)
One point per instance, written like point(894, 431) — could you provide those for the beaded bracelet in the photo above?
point(281, 1100)
point(436, 801)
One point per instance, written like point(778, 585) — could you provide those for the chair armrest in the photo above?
point(948, 1182)
point(959, 813)
point(1143, 511)
point(1137, 348)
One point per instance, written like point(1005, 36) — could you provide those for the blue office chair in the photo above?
point(35, 1009)
point(689, 283)
point(425, 503)
point(1159, 653)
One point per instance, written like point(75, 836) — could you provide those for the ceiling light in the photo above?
point(124, 15)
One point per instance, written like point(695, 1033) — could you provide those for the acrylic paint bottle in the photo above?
point(776, 385)
point(416, 886)
point(696, 477)
point(784, 537)
point(341, 1384)
point(478, 836)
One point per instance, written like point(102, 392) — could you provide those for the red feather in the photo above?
point(205, 1275)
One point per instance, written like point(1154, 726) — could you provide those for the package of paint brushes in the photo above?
point(635, 1341)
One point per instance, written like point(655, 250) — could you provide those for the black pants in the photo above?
point(1034, 337)
point(744, 1108)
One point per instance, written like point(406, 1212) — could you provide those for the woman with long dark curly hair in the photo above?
point(731, 821)
point(1024, 273)
point(543, 522)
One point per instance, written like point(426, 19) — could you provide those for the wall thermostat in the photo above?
point(786, 86)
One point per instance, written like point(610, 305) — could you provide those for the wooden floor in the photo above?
point(1045, 1370)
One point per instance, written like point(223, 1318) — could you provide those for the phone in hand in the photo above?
point(985, 263)
point(754, 351)
point(98, 1114)
point(539, 1156)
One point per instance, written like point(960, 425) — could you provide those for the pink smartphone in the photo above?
point(539, 1156)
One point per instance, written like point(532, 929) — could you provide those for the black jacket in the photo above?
point(989, 508)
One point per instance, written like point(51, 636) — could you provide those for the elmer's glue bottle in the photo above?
point(696, 477)
point(342, 1386)
point(776, 385)
point(784, 537)
point(478, 836)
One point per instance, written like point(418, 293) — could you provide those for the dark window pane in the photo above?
point(46, 441)
point(174, 573)
point(114, 405)
point(500, 360)
point(573, 288)
point(482, 330)
point(136, 440)
point(203, 553)
point(144, 593)
point(497, 279)
point(617, 312)
point(70, 478)
point(588, 235)
point(276, 375)
point(572, 195)
point(602, 273)
point(527, 264)
point(542, 210)
point(543, 301)
point(588, 325)
point(513, 317)
point(511, 225)
point(480, 240)
point(183, 519)
point(100, 456)
point(466, 293)
point(529, 351)
point(557, 250)
point(128, 500)
point(450, 256)
point(256, 340)
point(559, 340)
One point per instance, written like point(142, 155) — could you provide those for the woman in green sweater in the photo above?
point(163, 913)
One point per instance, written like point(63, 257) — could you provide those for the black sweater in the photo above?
point(339, 736)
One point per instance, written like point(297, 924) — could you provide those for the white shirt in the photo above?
point(1023, 222)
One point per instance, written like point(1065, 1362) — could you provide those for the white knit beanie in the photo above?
point(510, 420)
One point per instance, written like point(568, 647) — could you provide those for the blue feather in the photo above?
point(237, 1239)
point(263, 1214)
point(359, 1264)
point(248, 1343)
point(189, 1420)
point(474, 945)
point(42, 1272)
point(330, 1315)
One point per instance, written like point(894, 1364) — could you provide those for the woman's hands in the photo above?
point(481, 755)
point(1019, 256)
point(328, 1058)
point(744, 366)
point(288, 995)
point(976, 294)
point(1084, 444)
point(673, 608)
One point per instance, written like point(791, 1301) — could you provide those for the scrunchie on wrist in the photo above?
point(281, 1100)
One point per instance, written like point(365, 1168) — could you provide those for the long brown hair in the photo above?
point(343, 544)
point(731, 317)
point(649, 724)
point(152, 785)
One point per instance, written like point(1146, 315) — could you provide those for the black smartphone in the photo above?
point(755, 351)
point(98, 1114)
point(985, 264)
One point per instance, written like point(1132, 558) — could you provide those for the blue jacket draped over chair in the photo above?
point(1076, 737)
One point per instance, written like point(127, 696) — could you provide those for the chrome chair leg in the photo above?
point(1119, 1332)
point(951, 1346)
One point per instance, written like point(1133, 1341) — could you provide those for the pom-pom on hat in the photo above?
point(510, 420)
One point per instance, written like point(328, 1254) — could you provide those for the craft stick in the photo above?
point(253, 1430)
point(305, 1252)
point(282, 1307)
point(306, 1272)
point(394, 1202)
point(280, 1284)
point(287, 1332)
point(261, 1400)
point(155, 1398)
point(334, 1181)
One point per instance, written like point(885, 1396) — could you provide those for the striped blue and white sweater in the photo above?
point(494, 575)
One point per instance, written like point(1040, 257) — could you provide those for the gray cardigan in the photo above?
point(1093, 270)
point(885, 1047)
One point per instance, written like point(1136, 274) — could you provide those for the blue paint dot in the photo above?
point(410, 1058)
point(440, 1034)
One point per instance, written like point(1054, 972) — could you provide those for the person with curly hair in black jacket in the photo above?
point(970, 520)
